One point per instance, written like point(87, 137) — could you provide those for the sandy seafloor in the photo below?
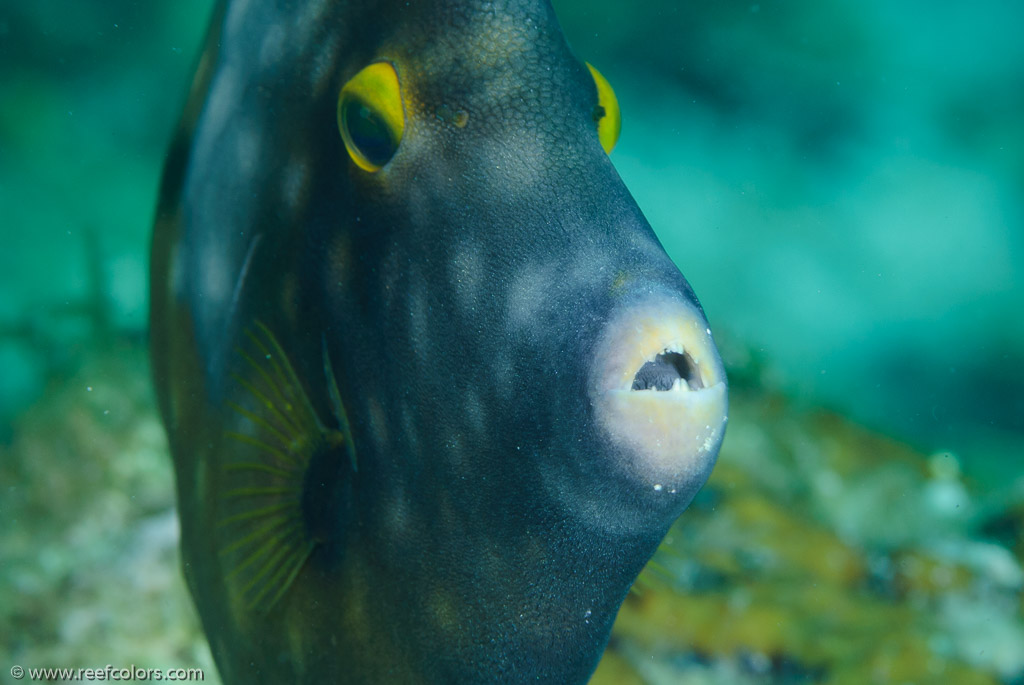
point(841, 183)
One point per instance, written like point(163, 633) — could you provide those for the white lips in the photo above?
point(671, 435)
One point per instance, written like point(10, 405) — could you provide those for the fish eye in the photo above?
point(370, 116)
point(606, 112)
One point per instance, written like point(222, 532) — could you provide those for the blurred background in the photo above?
point(841, 182)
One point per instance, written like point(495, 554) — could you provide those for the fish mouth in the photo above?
point(669, 371)
point(659, 392)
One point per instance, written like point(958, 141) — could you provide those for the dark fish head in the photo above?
point(530, 385)
point(534, 388)
point(528, 335)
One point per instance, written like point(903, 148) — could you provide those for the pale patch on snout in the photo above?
point(659, 392)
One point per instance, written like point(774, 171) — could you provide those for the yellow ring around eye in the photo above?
point(370, 116)
point(607, 116)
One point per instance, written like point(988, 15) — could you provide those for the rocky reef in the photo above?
point(819, 552)
point(823, 552)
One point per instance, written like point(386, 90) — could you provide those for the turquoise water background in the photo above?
point(841, 182)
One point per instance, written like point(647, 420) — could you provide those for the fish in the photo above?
point(433, 390)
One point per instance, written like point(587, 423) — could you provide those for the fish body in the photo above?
point(429, 417)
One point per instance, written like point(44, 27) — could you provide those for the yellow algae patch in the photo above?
point(759, 567)
point(615, 670)
point(917, 572)
point(796, 544)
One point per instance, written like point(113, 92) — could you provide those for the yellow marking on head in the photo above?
point(606, 114)
point(371, 117)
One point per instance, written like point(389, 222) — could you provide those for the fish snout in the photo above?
point(659, 393)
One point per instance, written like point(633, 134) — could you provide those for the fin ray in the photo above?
point(266, 548)
point(255, 513)
point(287, 425)
point(265, 539)
point(253, 466)
point(256, 534)
point(260, 421)
point(300, 562)
point(249, 440)
point(338, 408)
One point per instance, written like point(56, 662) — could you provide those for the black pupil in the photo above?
point(368, 132)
